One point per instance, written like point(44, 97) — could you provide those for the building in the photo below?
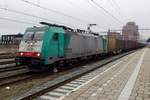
point(11, 39)
point(117, 35)
point(130, 31)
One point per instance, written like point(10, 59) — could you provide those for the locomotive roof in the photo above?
point(55, 25)
point(87, 34)
point(66, 28)
point(37, 28)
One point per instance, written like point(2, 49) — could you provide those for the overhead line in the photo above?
point(70, 2)
point(78, 6)
point(54, 11)
point(31, 15)
point(116, 3)
point(94, 6)
point(119, 12)
point(17, 21)
point(100, 7)
point(26, 14)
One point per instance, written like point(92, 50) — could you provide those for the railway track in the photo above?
point(9, 71)
point(4, 82)
point(13, 74)
point(7, 60)
point(10, 67)
point(7, 55)
point(66, 78)
point(8, 63)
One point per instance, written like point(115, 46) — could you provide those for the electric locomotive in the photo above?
point(44, 47)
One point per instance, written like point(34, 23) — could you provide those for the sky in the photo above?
point(109, 14)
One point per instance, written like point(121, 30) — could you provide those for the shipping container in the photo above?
point(115, 45)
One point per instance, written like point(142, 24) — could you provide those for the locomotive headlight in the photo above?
point(31, 43)
point(38, 54)
point(21, 53)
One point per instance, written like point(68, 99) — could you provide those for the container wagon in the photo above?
point(115, 45)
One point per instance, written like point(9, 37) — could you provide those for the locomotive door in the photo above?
point(60, 44)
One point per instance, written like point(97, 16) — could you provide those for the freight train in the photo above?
point(45, 47)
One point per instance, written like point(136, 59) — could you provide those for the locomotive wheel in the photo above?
point(55, 70)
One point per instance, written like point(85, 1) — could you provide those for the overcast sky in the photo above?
point(74, 13)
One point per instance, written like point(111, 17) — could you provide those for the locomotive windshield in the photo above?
point(38, 35)
point(28, 35)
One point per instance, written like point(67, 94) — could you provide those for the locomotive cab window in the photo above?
point(28, 35)
point(38, 35)
point(55, 36)
point(34, 35)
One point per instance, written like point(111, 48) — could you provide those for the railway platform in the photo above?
point(128, 79)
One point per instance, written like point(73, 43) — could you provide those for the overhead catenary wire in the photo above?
point(78, 6)
point(17, 21)
point(55, 11)
point(92, 5)
point(115, 3)
point(38, 2)
point(96, 9)
point(34, 16)
point(83, 10)
point(31, 15)
point(60, 13)
point(107, 12)
point(115, 6)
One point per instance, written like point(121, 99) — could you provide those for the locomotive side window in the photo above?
point(55, 36)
